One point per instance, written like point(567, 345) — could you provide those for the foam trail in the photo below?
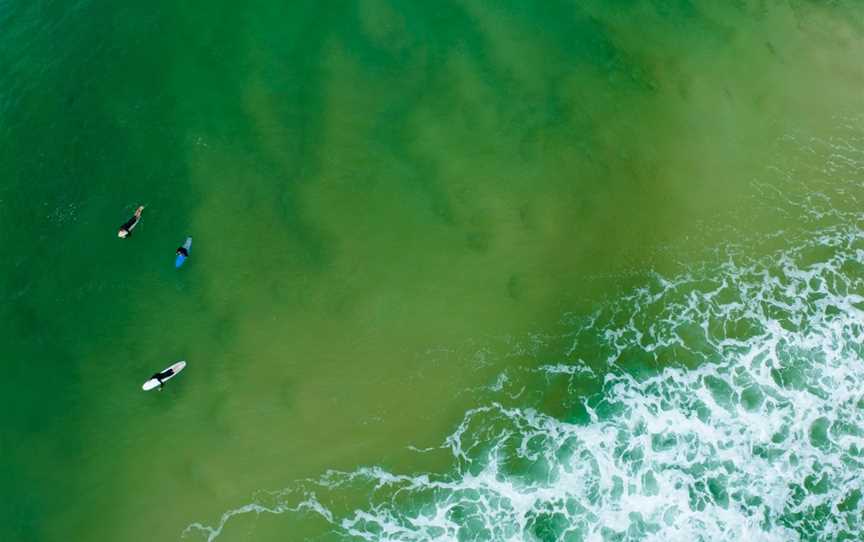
point(309, 504)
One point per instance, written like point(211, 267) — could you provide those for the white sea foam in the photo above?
point(757, 434)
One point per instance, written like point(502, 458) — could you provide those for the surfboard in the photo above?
point(153, 383)
point(178, 261)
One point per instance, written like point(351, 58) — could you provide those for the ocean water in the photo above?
point(462, 271)
point(721, 403)
point(761, 440)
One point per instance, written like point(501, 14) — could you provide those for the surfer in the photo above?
point(183, 252)
point(126, 229)
point(163, 376)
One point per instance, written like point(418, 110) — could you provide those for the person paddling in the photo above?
point(126, 229)
point(163, 376)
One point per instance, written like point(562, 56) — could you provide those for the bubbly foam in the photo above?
point(756, 434)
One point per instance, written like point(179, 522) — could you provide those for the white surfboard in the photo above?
point(175, 369)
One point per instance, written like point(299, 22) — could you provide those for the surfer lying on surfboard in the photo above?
point(163, 376)
point(183, 252)
point(126, 229)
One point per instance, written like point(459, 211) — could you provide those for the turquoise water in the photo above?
point(462, 271)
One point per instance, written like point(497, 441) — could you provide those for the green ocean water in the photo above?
point(388, 201)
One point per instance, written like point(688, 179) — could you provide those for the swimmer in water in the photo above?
point(126, 229)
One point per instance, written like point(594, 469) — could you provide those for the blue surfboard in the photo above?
point(178, 261)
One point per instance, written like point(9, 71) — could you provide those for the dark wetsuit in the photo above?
point(129, 224)
point(181, 251)
point(164, 375)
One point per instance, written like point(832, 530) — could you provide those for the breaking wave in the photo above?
point(727, 403)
